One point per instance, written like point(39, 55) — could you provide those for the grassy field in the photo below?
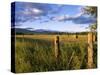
point(35, 53)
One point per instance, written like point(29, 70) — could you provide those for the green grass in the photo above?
point(37, 55)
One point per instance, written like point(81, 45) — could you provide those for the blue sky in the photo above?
point(57, 17)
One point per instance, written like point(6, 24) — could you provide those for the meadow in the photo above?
point(35, 53)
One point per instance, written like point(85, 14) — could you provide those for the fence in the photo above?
point(91, 39)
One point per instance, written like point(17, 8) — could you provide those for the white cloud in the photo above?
point(67, 17)
point(36, 11)
point(79, 18)
point(31, 11)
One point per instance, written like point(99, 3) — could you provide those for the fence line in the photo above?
point(91, 39)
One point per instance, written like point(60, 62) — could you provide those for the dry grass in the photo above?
point(35, 53)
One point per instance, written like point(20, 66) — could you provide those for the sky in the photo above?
point(67, 18)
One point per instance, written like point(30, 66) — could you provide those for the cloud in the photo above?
point(25, 11)
point(79, 18)
point(36, 11)
point(31, 12)
point(67, 17)
point(84, 20)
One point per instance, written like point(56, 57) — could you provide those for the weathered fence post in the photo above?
point(23, 38)
point(75, 35)
point(94, 38)
point(57, 47)
point(90, 50)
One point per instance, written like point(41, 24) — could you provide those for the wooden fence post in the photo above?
point(75, 36)
point(94, 38)
point(57, 47)
point(23, 38)
point(90, 50)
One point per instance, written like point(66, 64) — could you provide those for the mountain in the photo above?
point(43, 31)
point(36, 31)
point(24, 31)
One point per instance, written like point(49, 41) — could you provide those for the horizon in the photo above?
point(49, 30)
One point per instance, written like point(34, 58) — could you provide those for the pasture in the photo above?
point(35, 53)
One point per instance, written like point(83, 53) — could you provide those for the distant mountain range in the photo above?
point(38, 31)
point(44, 30)
point(35, 31)
point(21, 30)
